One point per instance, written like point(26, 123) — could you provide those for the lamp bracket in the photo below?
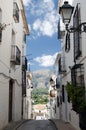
point(81, 28)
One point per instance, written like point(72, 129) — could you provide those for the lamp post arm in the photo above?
point(81, 28)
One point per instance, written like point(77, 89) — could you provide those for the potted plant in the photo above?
point(77, 97)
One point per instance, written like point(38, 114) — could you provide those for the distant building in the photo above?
point(27, 106)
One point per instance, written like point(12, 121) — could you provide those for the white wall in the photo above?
point(8, 70)
point(72, 116)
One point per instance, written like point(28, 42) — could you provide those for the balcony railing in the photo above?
point(15, 55)
point(24, 63)
point(15, 12)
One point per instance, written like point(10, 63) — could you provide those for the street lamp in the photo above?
point(66, 12)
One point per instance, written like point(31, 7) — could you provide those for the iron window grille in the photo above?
point(77, 34)
point(77, 75)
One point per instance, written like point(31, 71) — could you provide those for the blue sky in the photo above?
point(42, 44)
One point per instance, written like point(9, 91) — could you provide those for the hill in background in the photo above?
point(41, 78)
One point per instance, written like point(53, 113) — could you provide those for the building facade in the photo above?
point(28, 98)
point(72, 66)
point(13, 28)
point(55, 97)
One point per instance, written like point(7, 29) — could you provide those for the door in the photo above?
point(10, 99)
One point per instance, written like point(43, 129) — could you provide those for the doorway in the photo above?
point(10, 99)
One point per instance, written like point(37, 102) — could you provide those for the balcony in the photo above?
point(15, 55)
point(24, 63)
point(15, 12)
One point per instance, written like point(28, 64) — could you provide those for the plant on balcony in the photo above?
point(77, 97)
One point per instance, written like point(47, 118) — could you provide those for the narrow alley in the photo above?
point(37, 125)
point(42, 65)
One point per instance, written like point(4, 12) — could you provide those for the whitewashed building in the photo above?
point(52, 93)
point(72, 62)
point(28, 98)
point(13, 28)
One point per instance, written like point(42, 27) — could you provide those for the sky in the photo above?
point(42, 45)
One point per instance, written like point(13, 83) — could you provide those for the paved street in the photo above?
point(37, 125)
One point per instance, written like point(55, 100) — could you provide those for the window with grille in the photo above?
point(77, 34)
point(77, 75)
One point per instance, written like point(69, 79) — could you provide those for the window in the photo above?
point(0, 25)
point(0, 35)
point(67, 42)
point(77, 34)
point(61, 65)
point(61, 30)
point(77, 75)
point(63, 94)
point(57, 101)
point(24, 37)
point(59, 34)
point(15, 12)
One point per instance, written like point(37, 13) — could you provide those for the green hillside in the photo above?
point(40, 96)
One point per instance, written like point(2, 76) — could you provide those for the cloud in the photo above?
point(37, 24)
point(46, 60)
point(44, 17)
point(26, 2)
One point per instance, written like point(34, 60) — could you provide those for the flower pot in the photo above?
point(52, 93)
